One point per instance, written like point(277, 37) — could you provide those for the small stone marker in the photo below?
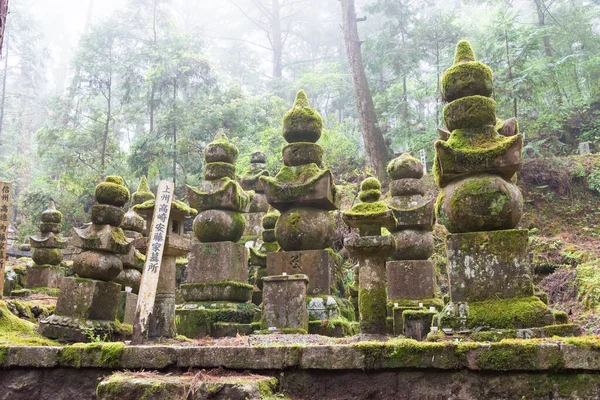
point(156, 245)
point(584, 148)
point(5, 199)
point(423, 161)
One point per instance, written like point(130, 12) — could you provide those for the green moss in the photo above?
point(369, 196)
point(221, 149)
point(373, 312)
point(218, 170)
point(298, 174)
point(470, 112)
point(71, 355)
point(112, 193)
point(370, 183)
point(143, 193)
point(115, 179)
point(175, 205)
point(302, 123)
point(51, 214)
point(562, 330)
point(228, 188)
point(105, 355)
point(407, 353)
point(515, 354)
point(213, 230)
point(270, 219)
point(405, 166)
point(467, 79)
point(54, 292)
point(528, 312)
point(561, 317)
point(418, 314)
point(464, 52)
point(368, 210)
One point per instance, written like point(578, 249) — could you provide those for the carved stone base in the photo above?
point(316, 264)
point(284, 302)
point(44, 276)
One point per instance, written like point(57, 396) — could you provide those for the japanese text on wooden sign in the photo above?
point(423, 161)
point(156, 245)
point(5, 199)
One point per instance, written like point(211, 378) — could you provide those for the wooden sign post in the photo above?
point(5, 199)
point(156, 246)
point(423, 161)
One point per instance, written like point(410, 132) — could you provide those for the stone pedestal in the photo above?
point(127, 307)
point(417, 323)
point(410, 280)
point(217, 262)
point(316, 264)
point(491, 282)
point(372, 299)
point(162, 319)
point(84, 304)
point(284, 302)
point(44, 276)
point(253, 223)
point(489, 265)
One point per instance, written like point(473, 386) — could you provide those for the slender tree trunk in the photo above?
point(174, 132)
point(542, 22)
point(3, 100)
point(510, 74)
point(106, 128)
point(153, 88)
point(376, 150)
point(277, 42)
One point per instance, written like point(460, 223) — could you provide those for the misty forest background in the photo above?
point(146, 87)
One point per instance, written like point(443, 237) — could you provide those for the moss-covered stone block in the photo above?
point(302, 123)
point(303, 186)
point(296, 154)
point(470, 112)
point(217, 291)
point(489, 265)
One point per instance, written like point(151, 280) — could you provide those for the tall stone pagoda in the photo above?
point(480, 205)
point(217, 288)
point(372, 249)
point(305, 194)
point(90, 302)
point(250, 180)
point(410, 274)
point(46, 251)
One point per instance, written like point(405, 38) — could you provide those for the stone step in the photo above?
point(214, 385)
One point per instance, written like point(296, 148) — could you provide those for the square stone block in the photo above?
point(217, 262)
point(410, 279)
point(398, 321)
point(44, 276)
point(284, 302)
point(127, 307)
point(88, 299)
point(316, 264)
point(488, 265)
point(253, 223)
point(417, 323)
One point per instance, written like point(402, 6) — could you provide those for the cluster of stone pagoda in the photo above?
point(284, 278)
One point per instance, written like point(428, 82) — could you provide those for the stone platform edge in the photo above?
point(576, 354)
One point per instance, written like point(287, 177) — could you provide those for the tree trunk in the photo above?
point(3, 104)
point(510, 74)
point(174, 132)
point(376, 150)
point(541, 21)
point(106, 129)
point(277, 43)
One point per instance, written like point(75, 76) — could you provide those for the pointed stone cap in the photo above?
point(464, 52)
point(467, 77)
point(370, 215)
point(302, 123)
point(221, 150)
point(51, 214)
point(143, 193)
point(405, 166)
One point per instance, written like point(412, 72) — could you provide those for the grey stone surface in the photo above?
point(316, 264)
point(284, 302)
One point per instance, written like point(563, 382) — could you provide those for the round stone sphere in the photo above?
point(130, 277)
point(97, 265)
point(405, 166)
point(305, 229)
point(413, 245)
point(480, 203)
point(46, 256)
point(219, 226)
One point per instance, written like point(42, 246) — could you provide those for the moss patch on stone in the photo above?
point(464, 52)
point(18, 332)
point(368, 210)
point(302, 123)
point(470, 112)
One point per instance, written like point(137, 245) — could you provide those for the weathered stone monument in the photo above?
point(217, 287)
point(89, 303)
point(258, 257)
point(284, 304)
point(251, 181)
point(410, 275)
point(372, 249)
point(489, 275)
point(305, 194)
point(134, 227)
point(162, 318)
point(46, 251)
